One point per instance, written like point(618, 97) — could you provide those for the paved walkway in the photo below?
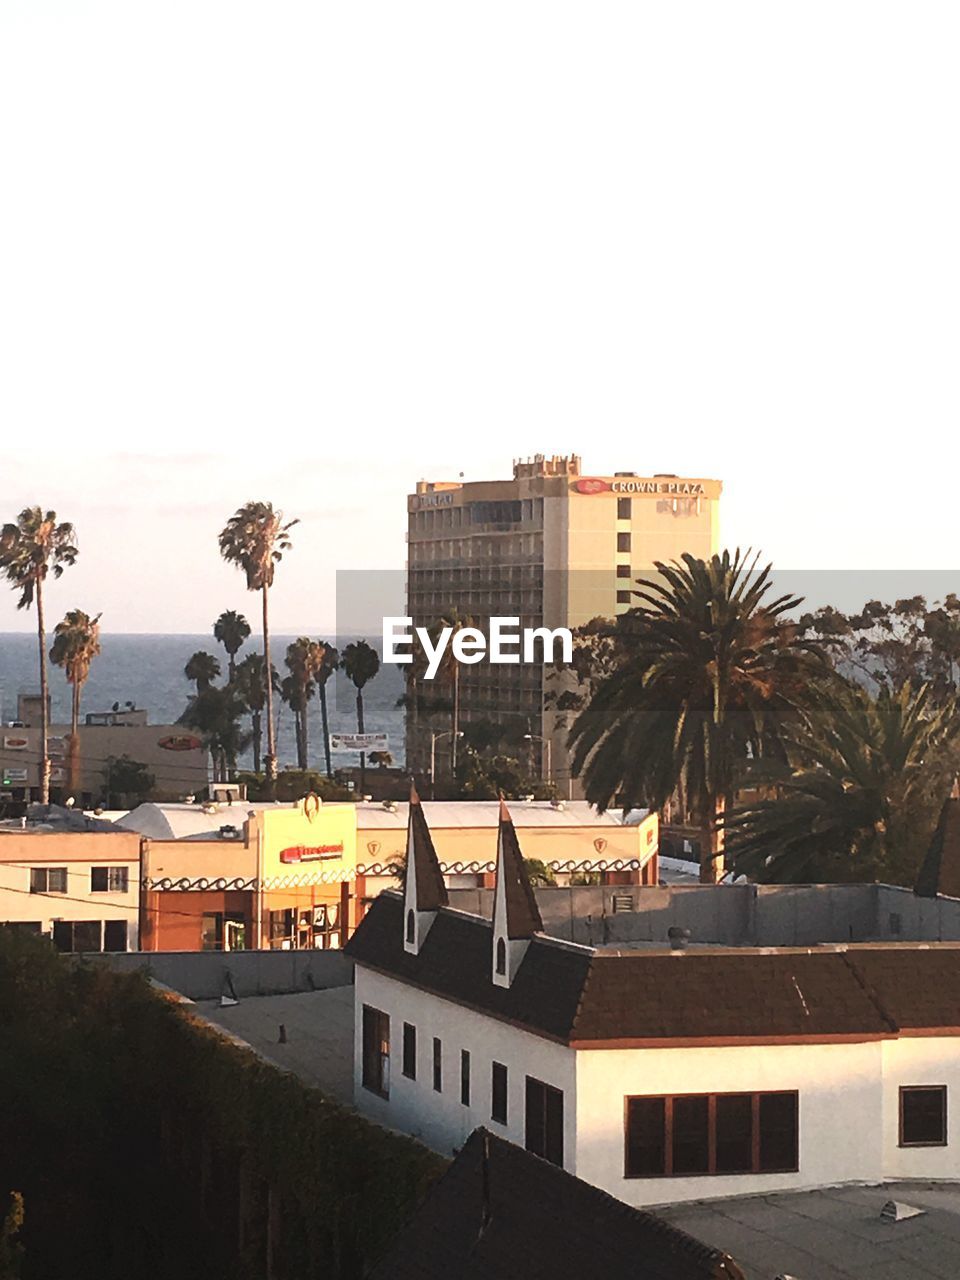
point(319, 1034)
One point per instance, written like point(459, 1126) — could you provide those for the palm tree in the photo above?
point(449, 672)
point(76, 642)
point(215, 714)
point(329, 661)
point(250, 686)
point(255, 538)
point(231, 629)
point(862, 797)
point(712, 673)
point(305, 660)
point(203, 669)
point(361, 663)
point(31, 549)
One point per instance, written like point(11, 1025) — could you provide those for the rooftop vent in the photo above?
point(678, 937)
point(558, 804)
point(897, 1211)
point(390, 806)
point(229, 832)
point(624, 473)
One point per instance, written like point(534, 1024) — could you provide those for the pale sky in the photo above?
point(312, 252)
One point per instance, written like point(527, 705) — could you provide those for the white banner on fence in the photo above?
point(359, 742)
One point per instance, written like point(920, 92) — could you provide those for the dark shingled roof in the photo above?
point(523, 914)
point(940, 872)
point(456, 959)
point(500, 1213)
point(431, 886)
point(573, 994)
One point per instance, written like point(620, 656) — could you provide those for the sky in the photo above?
point(313, 252)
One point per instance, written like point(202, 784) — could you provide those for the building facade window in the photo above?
point(623, 508)
point(695, 1134)
point(498, 1093)
point(544, 1121)
point(465, 1077)
point(411, 926)
point(501, 956)
point(409, 1051)
point(437, 1065)
point(623, 571)
point(109, 879)
point(376, 1051)
point(923, 1116)
point(78, 935)
point(114, 935)
point(623, 542)
point(48, 880)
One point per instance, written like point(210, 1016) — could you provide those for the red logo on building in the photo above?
point(589, 484)
point(311, 853)
point(180, 742)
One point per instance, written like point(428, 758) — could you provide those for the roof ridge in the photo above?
point(869, 991)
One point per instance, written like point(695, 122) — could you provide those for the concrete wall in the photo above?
point(202, 975)
point(737, 915)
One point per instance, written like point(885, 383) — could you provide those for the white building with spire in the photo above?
point(659, 1076)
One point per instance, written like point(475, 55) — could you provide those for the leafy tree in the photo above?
point(31, 549)
point(249, 684)
point(487, 775)
point(202, 668)
point(76, 642)
point(11, 1251)
point(860, 803)
point(255, 539)
point(361, 663)
point(382, 759)
point(714, 673)
point(305, 659)
point(231, 630)
point(539, 873)
point(294, 784)
point(215, 714)
point(892, 644)
point(127, 782)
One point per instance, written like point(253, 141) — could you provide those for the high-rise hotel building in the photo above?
point(551, 547)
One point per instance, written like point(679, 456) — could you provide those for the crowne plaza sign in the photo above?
point(635, 485)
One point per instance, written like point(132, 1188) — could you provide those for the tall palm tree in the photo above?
point(76, 642)
point(30, 550)
point(305, 660)
point(329, 661)
point(295, 694)
point(861, 798)
point(361, 663)
point(712, 674)
point(449, 673)
point(255, 538)
point(215, 714)
point(203, 668)
point(231, 630)
point(250, 686)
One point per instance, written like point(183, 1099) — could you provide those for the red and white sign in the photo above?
point(311, 853)
point(180, 742)
point(15, 743)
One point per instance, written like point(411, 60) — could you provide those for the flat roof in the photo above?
point(834, 1233)
point(441, 814)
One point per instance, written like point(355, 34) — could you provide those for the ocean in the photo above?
point(147, 670)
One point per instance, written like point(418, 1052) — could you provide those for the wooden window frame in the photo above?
point(921, 1088)
point(383, 1071)
point(711, 1171)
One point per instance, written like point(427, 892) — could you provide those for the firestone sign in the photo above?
point(591, 484)
point(313, 853)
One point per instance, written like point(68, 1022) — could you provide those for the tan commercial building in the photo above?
point(552, 547)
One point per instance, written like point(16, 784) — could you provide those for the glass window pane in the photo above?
point(778, 1132)
point(923, 1116)
point(409, 1051)
point(554, 1125)
point(735, 1133)
point(535, 1118)
point(646, 1145)
point(691, 1140)
point(498, 1106)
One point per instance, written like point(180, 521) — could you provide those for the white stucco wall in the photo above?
point(920, 1060)
point(840, 1100)
point(440, 1119)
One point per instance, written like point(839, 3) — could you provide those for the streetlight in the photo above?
point(434, 737)
point(535, 737)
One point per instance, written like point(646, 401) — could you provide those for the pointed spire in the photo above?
point(521, 913)
point(423, 865)
point(940, 872)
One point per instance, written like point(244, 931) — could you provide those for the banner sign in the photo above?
point(10, 776)
point(359, 741)
point(17, 743)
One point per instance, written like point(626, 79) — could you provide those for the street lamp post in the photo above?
point(434, 738)
point(536, 737)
